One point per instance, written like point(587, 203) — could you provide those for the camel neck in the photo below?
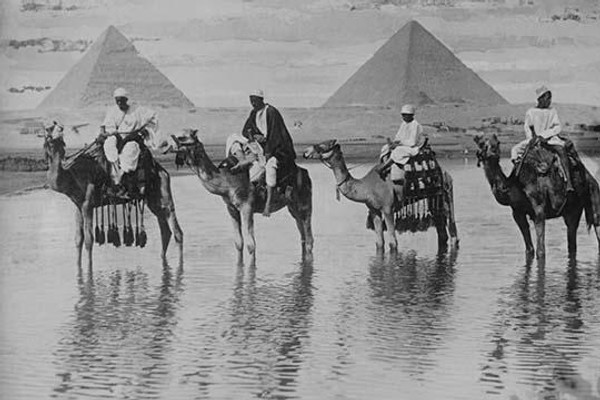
point(498, 181)
point(343, 179)
point(212, 179)
point(55, 171)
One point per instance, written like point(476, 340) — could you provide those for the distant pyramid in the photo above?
point(111, 62)
point(413, 67)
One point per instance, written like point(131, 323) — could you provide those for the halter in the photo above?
point(328, 165)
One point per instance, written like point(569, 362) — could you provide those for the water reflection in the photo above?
point(118, 341)
point(410, 304)
point(540, 332)
point(261, 346)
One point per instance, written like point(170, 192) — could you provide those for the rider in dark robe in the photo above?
point(265, 120)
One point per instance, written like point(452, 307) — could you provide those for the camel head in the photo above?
point(54, 143)
point(488, 148)
point(188, 148)
point(323, 151)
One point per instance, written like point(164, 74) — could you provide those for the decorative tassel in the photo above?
point(143, 237)
point(137, 228)
point(116, 237)
point(97, 228)
point(102, 233)
point(337, 193)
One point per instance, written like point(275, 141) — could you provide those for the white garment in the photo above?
point(135, 118)
point(271, 172)
point(119, 122)
point(239, 143)
point(410, 134)
point(410, 137)
point(545, 123)
point(128, 159)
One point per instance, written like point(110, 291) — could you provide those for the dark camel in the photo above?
point(378, 195)
point(243, 200)
point(83, 183)
point(539, 192)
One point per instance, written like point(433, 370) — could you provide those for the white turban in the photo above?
point(541, 91)
point(407, 109)
point(120, 92)
point(258, 93)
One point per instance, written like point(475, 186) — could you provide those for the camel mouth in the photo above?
point(311, 153)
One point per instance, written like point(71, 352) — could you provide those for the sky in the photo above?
point(300, 52)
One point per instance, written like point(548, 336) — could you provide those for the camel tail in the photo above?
point(592, 206)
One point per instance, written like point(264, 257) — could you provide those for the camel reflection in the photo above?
point(540, 332)
point(409, 307)
point(118, 340)
point(263, 338)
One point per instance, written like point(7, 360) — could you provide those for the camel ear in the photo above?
point(477, 138)
point(194, 134)
point(176, 140)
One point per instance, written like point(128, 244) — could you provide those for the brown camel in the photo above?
point(539, 192)
point(378, 195)
point(83, 183)
point(243, 199)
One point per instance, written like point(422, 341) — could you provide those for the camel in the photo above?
point(378, 195)
point(243, 199)
point(83, 182)
point(539, 192)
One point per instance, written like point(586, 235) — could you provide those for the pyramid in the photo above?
point(413, 67)
point(111, 62)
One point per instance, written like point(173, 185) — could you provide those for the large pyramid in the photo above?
point(413, 67)
point(111, 62)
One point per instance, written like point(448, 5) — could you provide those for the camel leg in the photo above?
point(170, 216)
point(521, 220)
point(78, 236)
point(388, 217)
point(540, 232)
point(442, 234)
point(303, 222)
point(572, 222)
point(378, 227)
point(238, 239)
point(450, 209)
point(165, 235)
point(248, 223)
point(161, 215)
point(88, 223)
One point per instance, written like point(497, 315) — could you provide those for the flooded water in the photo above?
point(472, 324)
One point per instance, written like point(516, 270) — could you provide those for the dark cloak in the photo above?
point(278, 141)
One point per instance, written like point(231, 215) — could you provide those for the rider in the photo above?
point(266, 120)
point(407, 143)
point(125, 127)
point(246, 149)
point(543, 121)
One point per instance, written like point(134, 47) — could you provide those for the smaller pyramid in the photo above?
point(111, 62)
point(413, 66)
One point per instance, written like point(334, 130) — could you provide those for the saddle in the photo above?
point(544, 159)
point(421, 205)
point(133, 184)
